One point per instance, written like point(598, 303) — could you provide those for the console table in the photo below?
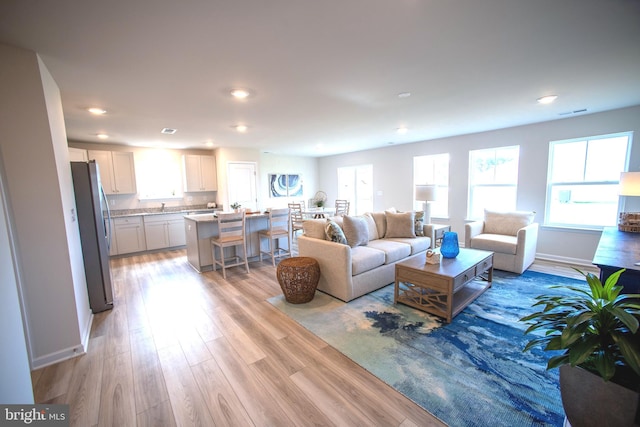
point(616, 250)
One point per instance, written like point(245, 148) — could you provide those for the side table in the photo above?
point(438, 231)
point(298, 278)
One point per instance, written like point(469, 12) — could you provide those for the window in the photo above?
point(158, 174)
point(433, 170)
point(355, 184)
point(582, 180)
point(493, 180)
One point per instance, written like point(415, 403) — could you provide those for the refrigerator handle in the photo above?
point(107, 225)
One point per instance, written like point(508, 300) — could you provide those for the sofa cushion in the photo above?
point(417, 244)
point(393, 250)
point(380, 219)
point(334, 233)
point(495, 243)
point(364, 258)
point(356, 230)
point(400, 225)
point(507, 223)
point(314, 228)
point(373, 228)
point(419, 223)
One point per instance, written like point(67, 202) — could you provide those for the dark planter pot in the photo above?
point(588, 400)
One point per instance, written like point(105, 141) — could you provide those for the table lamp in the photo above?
point(426, 194)
point(629, 186)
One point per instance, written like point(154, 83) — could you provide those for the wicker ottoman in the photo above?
point(298, 278)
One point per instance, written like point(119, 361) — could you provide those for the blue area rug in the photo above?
point(471, 372)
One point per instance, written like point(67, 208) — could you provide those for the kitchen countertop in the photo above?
point(209, 217)
point(116, 213)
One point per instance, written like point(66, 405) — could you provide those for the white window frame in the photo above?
point(475, 212)
point(433, 169)
point(611, 182)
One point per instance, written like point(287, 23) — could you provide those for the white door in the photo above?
point(242, 184)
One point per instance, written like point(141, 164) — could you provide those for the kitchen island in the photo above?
point(200, 228)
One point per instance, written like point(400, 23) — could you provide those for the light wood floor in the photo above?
point(183, 348)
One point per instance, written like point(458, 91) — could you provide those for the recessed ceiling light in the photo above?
point(404, 94)
point(102, 135)
point(240, 93)
point(168, 131)
point(209, 143)
point(97, 111)
point(402, 130)
point(548, 99)
point(241, 128)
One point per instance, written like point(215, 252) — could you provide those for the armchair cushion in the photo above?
point(495, 243)
point(506, 223)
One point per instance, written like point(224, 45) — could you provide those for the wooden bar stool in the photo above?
point(277, 228)
point(231, 233)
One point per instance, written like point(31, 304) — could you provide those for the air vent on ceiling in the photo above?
point(566, 113)
point(168, 131)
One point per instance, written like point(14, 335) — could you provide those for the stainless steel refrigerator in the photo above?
point(95, 233)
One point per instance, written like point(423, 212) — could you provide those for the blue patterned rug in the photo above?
point(471, 372)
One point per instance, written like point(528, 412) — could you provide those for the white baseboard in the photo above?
point(565, 260)
point(57, 357)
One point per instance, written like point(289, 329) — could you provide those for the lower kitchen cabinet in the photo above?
point(129, 234)
point(164, 231)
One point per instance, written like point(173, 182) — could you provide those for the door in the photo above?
point(242, 184)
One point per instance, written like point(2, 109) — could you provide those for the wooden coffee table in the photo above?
point(443, 289)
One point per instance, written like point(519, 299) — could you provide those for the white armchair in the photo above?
point(511, 236)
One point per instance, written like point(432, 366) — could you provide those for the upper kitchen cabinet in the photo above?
point(199, 173)
point(77, 155)
point(116, 171)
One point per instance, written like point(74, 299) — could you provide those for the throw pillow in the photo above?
point(371, 224)
point(419, 223)
point(506, 223)
point(314, 228)
point(334, 232)
point(400, 224)
point(356, 230)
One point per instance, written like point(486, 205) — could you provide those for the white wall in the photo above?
point(38, 184)
point(15, 386)
point(393, 173)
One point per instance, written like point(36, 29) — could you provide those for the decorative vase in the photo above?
point(450, 248)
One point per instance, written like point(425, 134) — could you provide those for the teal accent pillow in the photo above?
point(419, 222)
point(334, 233)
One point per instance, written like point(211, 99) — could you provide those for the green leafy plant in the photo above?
point(597, 328)
point(319, 203)
point(235, 205)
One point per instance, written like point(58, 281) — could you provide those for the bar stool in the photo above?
point(277, 228)
point(231, 232)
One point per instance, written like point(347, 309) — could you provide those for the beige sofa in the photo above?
point(375, 242)
point(511, 236)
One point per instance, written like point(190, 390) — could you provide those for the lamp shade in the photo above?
point(425, 193)
point(629, 184)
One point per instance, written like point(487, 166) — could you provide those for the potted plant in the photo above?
point(319, 203)
point(236, 206)
point(594, 333)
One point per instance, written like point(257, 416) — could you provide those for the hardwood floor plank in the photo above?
point(222, 401)
point(239, 340)
point(187, 402)
point(85, 386)
point(54, 380)
point(117, 401)
point(148, 379)
point(160, 415)
point(255, 399)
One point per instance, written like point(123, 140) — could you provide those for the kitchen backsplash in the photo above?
point(131, 202)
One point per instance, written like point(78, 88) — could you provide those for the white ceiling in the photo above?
point(326, 74)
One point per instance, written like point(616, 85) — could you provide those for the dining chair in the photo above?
point(277, 228)
point(342, 207)
point(231, 233)
point(297, 217)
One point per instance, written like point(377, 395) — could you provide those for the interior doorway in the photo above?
point(242, 184)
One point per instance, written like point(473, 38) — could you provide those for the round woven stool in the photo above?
point(298, 278)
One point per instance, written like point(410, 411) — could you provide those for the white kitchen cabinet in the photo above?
point(164, 231)
point(129, 233)
point(117, 172)
point(77, 155)
point(199, 173)
point(113, 245)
